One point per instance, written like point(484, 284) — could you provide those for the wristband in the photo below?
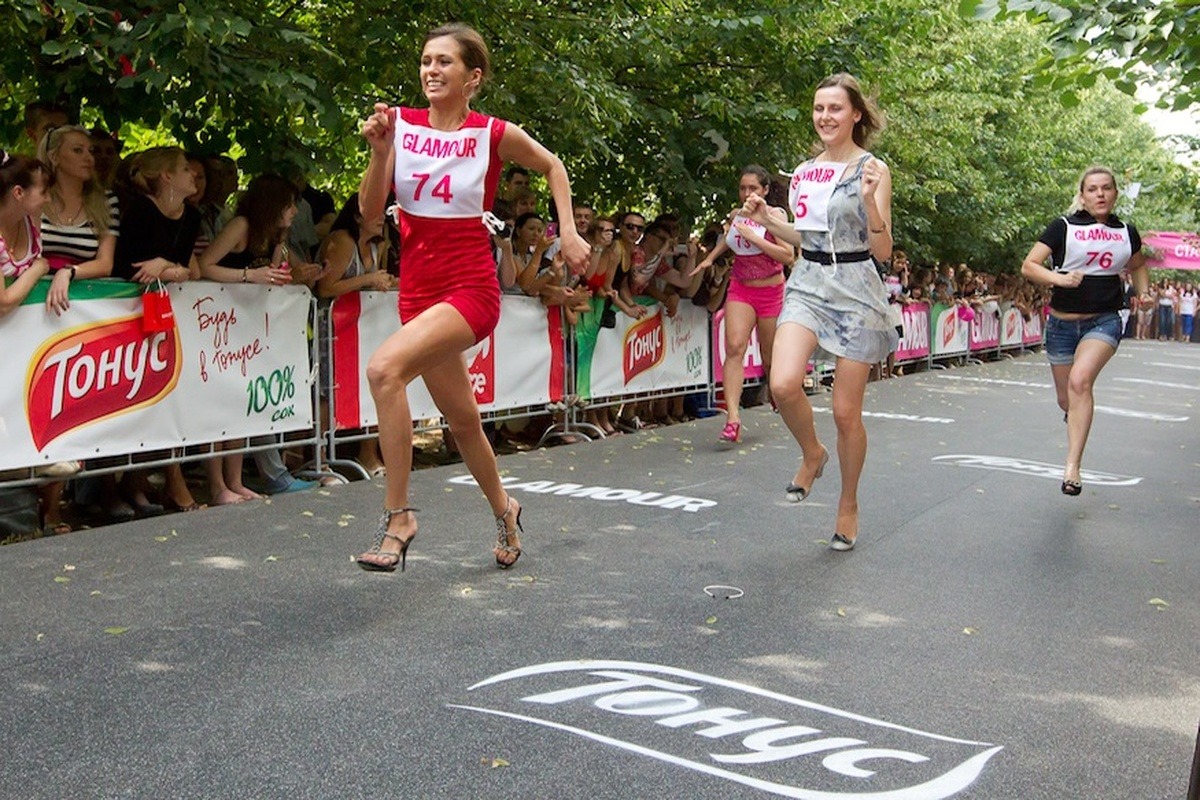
point(244, 275)
point(72, 278)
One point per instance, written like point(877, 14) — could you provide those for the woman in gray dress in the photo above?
point(841, 201)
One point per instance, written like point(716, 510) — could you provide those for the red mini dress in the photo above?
point(444, 182)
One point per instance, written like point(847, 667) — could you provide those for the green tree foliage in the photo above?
point(1123, 40)
point(652, 104)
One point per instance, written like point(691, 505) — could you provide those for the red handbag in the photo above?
point(157, 315)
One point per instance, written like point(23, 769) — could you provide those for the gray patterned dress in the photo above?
point(844, 305)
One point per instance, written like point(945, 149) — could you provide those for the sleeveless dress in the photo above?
point(444, 182)
point(845, 304)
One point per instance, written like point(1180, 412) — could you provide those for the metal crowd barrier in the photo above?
point(568, 395)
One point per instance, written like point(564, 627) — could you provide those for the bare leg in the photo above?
point(450, 387)
point(793, 347)
point(849, 387)
point(1090, 357)
point(437, 334)
point(739, 322)
point(766, 343)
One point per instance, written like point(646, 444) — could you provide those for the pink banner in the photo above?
point(1169, 250)
point(984, 331)
point(753, 360)
point(1034, 327)
point(914, 344)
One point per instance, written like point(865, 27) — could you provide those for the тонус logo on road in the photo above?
point(784, 745)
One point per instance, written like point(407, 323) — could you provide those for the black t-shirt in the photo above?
point(1096, 293)
point(147, 234)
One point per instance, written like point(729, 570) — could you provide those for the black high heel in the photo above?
point(382, 534)
point(1072, 488)
point(797, 493)
point(502, 534)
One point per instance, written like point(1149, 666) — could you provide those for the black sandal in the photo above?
point(382, 534)
point(1072, 488)
point(502, 534)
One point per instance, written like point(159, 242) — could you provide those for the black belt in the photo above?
point(822, 257)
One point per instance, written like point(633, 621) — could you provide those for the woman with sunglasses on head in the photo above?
point(1088, 249)
point(755, 294)
point(834, 300)
point(443, 162)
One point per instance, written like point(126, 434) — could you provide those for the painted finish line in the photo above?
point(1039, 469)
point(785, 745)
point(637, 497)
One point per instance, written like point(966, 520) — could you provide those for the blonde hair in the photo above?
point(1096, 169)
point(148, 166)
point(95, 198)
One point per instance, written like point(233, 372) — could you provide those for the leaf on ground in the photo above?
point(271, 558)
point(841, 612)
point(94, 593)
point(61, 579)
point(115, 631)
point(323, 492)
point(1159, 603)
point(39, 637)
point(68, 567)
point(162, 538)
point(306, 513)
point(1158, 561)
point(343, 524)
point(1113, 507)
point(447, 490)
point(499, 762)
point(347, 516)
point(467, 590)
point(266, 501)
point(969, 631)
point(710, 620)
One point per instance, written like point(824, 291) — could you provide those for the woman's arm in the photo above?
point(877, 200)
point(379, 130)
point(756, 208)
point(779, 251)
point(236, 232)
point(1034, 270)
point(518, 146)
point(12, 296)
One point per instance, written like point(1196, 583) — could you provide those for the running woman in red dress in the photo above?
point(444, 162)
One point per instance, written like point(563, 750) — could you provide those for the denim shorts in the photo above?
point(1064, 335)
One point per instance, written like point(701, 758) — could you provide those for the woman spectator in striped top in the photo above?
point(80, 219)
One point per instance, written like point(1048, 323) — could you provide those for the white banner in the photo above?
point(94, 383)
point(520, 364)
point(653, 353)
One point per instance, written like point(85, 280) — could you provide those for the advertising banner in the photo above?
point(641, 355)
point(983, 332)
point(520, 364)
point(914, 344)
point(949, 331)
point(1033, 328)
point(232, 363)
point(1169, 250)
point(1012, 327)
point(752, 363)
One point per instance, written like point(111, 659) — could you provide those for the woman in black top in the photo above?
point(158, 228)
point(1089, 248)
point(158, 236)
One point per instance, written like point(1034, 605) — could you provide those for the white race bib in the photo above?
point(810, 191)
point(441, 173)
point(739, 244)
point(1096, 249)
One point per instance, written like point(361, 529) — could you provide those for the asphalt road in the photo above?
point(674, 629)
